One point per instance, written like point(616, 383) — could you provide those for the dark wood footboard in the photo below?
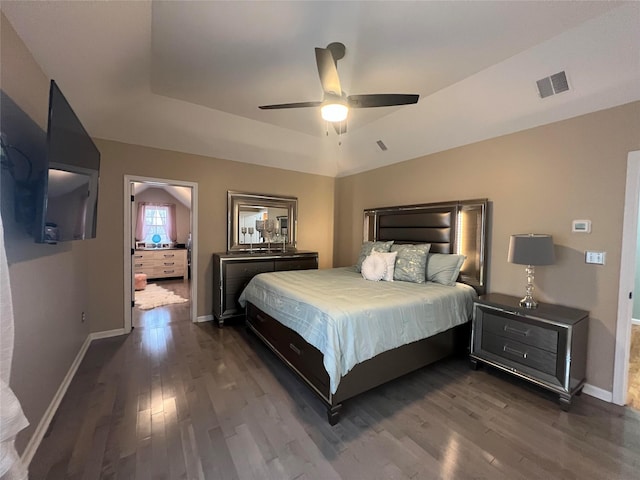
point(306, 360)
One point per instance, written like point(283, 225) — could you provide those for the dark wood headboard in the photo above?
point(450, 227)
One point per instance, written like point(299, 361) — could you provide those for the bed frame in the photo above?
point(450, 227)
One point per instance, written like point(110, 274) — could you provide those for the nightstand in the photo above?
point(546, 345)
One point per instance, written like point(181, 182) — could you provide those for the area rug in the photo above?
point(155, 296)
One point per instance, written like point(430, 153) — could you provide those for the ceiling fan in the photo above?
point(336, 104)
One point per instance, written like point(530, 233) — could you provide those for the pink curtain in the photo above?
point(141, 229)
point(172, 232)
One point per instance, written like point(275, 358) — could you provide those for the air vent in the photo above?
point(382, 146)
point(552, 85)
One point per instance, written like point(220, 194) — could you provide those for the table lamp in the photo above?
point(531, 249)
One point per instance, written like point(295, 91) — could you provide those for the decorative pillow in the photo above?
point(368, 247)
point(374, 268)
point(444, 268)
point(390, 261)
point(411, 262)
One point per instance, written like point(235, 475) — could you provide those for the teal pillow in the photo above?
point(444, 268)
point(411, 262)
point(368, 247)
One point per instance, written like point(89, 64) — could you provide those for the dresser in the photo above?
point(162, 263)
point(546, 345)
point(232, 272)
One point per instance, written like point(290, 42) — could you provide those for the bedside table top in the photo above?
point(548, 311)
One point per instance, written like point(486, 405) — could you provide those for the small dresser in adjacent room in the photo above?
point(546, 345)
point(161, 263)
point(232, 272)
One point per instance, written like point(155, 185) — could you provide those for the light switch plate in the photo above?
point(597, 258)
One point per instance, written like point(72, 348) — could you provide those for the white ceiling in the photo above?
point(189, 76)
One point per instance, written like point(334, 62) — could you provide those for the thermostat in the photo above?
point(581, 226)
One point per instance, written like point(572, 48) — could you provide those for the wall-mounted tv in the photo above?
point(55, 176)
point(69, 202)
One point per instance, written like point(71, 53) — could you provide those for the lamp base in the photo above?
point(528, 302)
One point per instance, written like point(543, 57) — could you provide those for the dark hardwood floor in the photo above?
point(176, 400)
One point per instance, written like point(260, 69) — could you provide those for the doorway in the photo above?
point(627, 280)
point(185, 281)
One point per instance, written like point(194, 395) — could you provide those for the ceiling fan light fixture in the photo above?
point(334, 111)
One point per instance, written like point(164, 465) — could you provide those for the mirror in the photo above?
point(257, 222)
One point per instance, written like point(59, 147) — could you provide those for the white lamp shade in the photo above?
point(334, 112)
point(531, 249)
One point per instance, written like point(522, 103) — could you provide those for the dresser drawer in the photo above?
point(160, 263)
point(296, 264)
point(519, 352)
point(512, 328)
point(247, 269)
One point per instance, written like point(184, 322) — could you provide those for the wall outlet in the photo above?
point(84, 317)
point(597, 258)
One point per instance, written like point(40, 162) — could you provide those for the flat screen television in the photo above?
point(67, 199)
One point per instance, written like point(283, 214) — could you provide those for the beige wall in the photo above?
point(214, 177)
point(538, 180)
point(48, 282)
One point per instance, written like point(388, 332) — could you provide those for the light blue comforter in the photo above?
point(350, 319)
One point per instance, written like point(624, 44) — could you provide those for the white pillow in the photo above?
point(390, 261)
point(373, 268)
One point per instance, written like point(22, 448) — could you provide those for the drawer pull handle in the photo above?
point(261, 318)
point(167, 255)
point(513, 351)
point(138, 265)
point(168, 264)
point(508, 329)
point(295, 349)
point(169, 271)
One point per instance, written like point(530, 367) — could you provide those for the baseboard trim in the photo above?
point(635, 321)
point(51, 410)
point(204, 318)
point(107, 334)
point(45, 421)
point(598, 393)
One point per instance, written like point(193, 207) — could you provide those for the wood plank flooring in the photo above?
point(176, 400)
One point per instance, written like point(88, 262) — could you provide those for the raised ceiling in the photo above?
point(189, 76)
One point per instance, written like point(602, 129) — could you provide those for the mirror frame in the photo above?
point(235, 200)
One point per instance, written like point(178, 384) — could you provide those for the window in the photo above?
point(155, 220)
point(155, 223)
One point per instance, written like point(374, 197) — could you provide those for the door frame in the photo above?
point(128, 236)
point(627, 279)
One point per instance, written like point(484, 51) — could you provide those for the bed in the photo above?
point(344, 335)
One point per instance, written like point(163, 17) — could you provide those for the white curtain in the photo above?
point(12, 419)
point(142, 229)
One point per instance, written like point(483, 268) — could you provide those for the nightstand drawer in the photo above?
point(522, 353)
point(514, 329)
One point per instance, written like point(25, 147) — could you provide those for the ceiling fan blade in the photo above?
point(328, 71)
point(340, 127)
point(381, 100)
point(290, 105)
